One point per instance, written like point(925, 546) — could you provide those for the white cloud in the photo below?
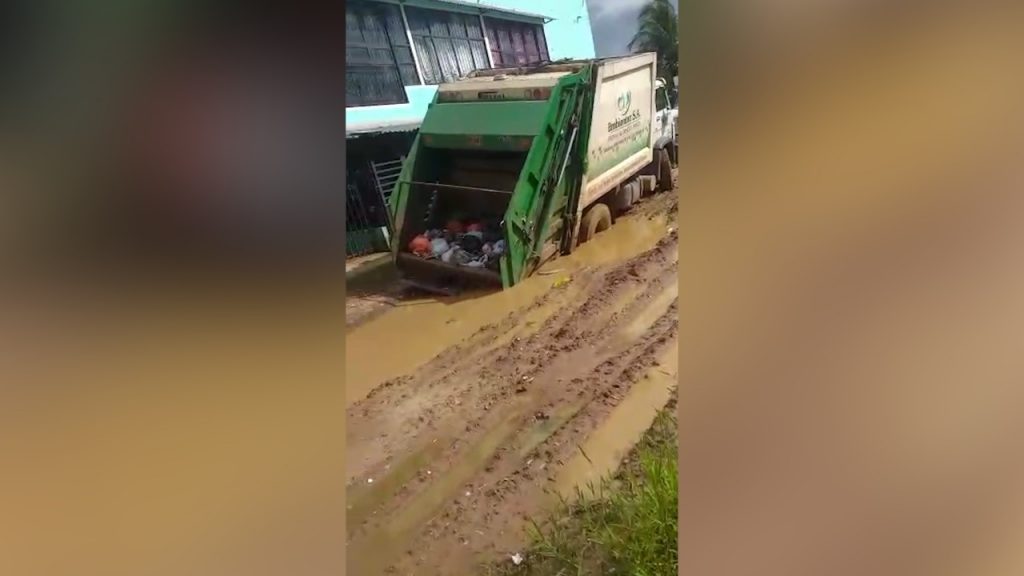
point(614, 23)
point(600, 9)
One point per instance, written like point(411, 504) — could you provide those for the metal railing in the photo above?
point(367, 224)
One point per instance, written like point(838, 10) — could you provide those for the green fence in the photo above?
point(361, 242)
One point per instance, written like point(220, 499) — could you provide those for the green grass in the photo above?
point(626, 525)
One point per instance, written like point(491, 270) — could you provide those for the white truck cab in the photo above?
point(667, 112)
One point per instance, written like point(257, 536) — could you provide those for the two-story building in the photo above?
point(398, 51)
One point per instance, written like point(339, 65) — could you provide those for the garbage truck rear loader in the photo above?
point(512, 167)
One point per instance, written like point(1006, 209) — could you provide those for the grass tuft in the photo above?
point(627, 524)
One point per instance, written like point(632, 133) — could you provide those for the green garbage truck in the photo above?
point(512, 167)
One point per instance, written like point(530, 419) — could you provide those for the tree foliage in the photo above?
point(657, 31)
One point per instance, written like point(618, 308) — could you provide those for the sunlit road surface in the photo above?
point(851, 365)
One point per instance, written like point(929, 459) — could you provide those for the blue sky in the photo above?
point(614, 23)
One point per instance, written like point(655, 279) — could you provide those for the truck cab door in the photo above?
point(661, 102)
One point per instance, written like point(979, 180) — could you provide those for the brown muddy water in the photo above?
point(602, 452)
point(389, 345)
point(464, 412)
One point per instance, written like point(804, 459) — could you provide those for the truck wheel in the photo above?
point(664, 171)
point(598, 218)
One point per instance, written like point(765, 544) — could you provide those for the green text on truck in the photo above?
point(551, 155)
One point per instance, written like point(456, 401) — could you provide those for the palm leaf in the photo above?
point(657, 31)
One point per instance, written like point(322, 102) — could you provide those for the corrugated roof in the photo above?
point(383, 126)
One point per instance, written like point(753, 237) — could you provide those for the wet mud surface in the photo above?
point(476, 424)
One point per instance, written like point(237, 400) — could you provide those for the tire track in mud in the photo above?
point(472, 416)
point(520, 474)
point(472, 374)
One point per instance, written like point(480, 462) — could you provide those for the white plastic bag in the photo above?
point(439, 246)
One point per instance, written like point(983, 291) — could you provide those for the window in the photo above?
point(378, 58)
point(449, 44)
point(661, 100)
point(516, 43)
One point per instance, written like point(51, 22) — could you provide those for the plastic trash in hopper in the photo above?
point(420, 246)
point(438, 246)
point(454, 226)
point(471, 243)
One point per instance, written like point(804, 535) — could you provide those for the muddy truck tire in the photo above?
point(597, 219)
point(664, 171)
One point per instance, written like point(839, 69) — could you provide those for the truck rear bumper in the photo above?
point(436, 276)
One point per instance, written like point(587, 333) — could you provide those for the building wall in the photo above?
point(568, 36)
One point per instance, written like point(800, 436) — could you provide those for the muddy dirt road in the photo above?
point(467, 416)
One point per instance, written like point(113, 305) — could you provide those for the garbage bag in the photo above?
point(455, 226)
point(461, 257)
point(439, 246)
point(471, 243)
point(420, 246)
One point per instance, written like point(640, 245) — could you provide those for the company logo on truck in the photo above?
point(627, 115)
point(625, 101)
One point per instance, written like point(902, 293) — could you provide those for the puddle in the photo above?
point(629, 237)
point(411, 333)
point(355, 267)
point(532, 321)
point(365, 498)
point(539, 433)
point(621, 302)
point(605, 448)
point(656, 309)
point(382, 546)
